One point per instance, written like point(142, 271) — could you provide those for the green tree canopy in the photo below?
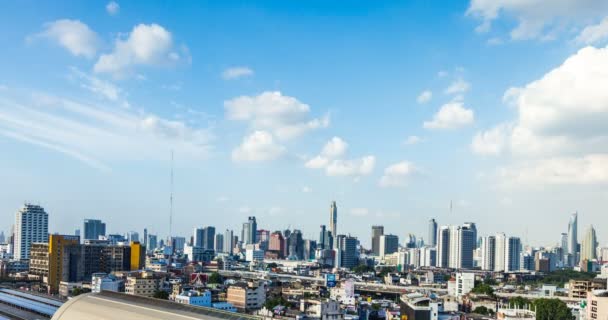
point(552, 309)
point(482, 288)
point(160, 294)
point(215, 278)
point(483, 310)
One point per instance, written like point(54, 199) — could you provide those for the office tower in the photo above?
point(432, 237)
point(263, 235)
point(277, 244)
point(31, 225)
point(377, 231)
point(295, 245)
point(138, 256)
point(589, 245)
point(443, 246)
point(428, 257)
point(573, 238)
point(58, 260)
point(472, 229)
point(387, 244)
point(178, 243)
point(326, 239)
point(499, 250)
point(198, 237)
point(132, 236)
point(219, 243)
point(249, 233)
point(77, 233)
point(411, 241)
point(488, 253)
point(512, 254)
point(310, 246)
point(321, 243)
point(346, 252)
point(209, 238)
point(333, 218)
point(146, 237)
point(461, 245)
point(2, 239)
point(228, 241)
point(93, 229)
point(152, 242)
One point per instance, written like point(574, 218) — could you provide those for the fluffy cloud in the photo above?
point(73, 35)
point(284, 116)
point(397, 175)
point(258, 146)
point(594, 34)
point(145, 45)
point(331, 159)
point(411, 140)
point(452, 115)
point(459, 86)
point(536, 18)
point(559, 133)
point(424, 97)
point(236, 73)
point(98, 135)
point(490, 142)
point(112, 8)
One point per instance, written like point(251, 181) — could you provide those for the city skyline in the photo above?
point(270, 119)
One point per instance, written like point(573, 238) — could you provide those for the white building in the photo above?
point(104, 282)
point(388, 244)
point(195, 298)
point(252, 255)
point(463, 284)
point(194, 253)
point(31, 225)
point(325, 310)
point(499, 252)
point(488, 253)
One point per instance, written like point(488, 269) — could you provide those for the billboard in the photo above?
point(330, 280)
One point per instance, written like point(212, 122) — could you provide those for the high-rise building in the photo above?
point(146, 237)
point(573, 238)
point(321, 243)
point(2, 239)
point(488, 253)
point(138, 256)
point(93, 228)
point(310, 246)
point(377, 231)
point(499, 252)
point(443, 246)
point(432, 237)
point(295, 245)
point(512, 254)
point(198, 237)
point(346, 251)
point(462, 243)
point(132, 236)
point(326, 239)
point(228, 241)
point(219, 243)
point(589, 245)
point(333, 218)
point(388, 243)
point(209, 238)
point(277, 244)
point(31, 226)
point(58, 260)
point(249, 233)
point(152, 242)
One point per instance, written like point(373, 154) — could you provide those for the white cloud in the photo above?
point(73, 35)
point(536, 19)
point(355, 167)
point(258, 146)
point(236, 73)
point(459, 86)
point(97, 86)
point(424, 97)
point(223, 199)
point(98, 135)
point(594, 34)
point(286, 117)
point(331, 159)
point(359, 212)
point(397, 175)
point(412, 140)
point(306, 189)
point(452, 115)
point(145, 45)
point(560, 135)
point(490, 142)
point(112, 8)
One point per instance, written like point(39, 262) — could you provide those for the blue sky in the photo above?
point(275, 108)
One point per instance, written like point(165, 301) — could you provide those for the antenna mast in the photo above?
point(171, 202)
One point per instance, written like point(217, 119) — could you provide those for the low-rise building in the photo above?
point(104, 282)
point(597, 304)
point(577, 289)
point(195, 298)
point(462, 284)
point(144, 283)
point(246, 296)
point(324, 310)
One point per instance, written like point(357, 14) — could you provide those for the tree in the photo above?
point(160, 294)
point(362, 269)
point(519, 302)
point(552, 309)
point(271, 303)
point(79, 291)
point(482, 288)
point(215, 278)
point(483, 310)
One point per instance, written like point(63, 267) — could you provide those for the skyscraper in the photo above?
point(461, 246)
point(346, 252)
point(249, 233)
point(512, 254)
point(333, 218)
point(573, 238)
point(152, 242)
point(209, 238)
point(228, 241)
point(388, 244)
point(198, 237)
point(277, 244)
point(377, 231)
point(321, 243)
point(499, 256)
point(443, 246)
point(219, 243)
point(93, 228)
point(432, 237)
point(2, 239)
point(589, 245)
point(488, 253)
point(31, 225)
